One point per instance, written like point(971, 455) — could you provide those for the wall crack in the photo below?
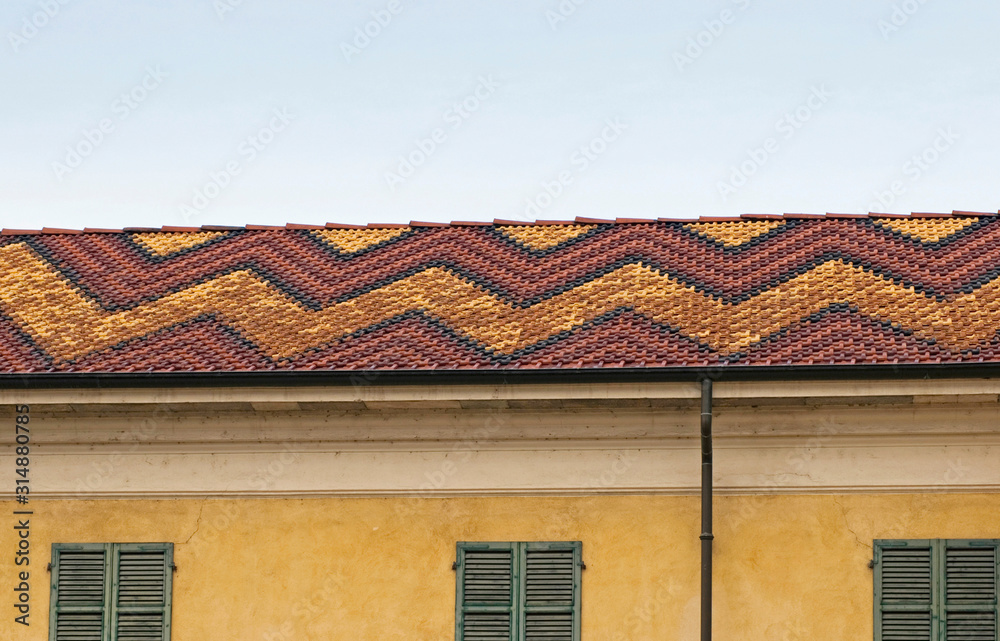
point(847, 525)
point(197, 525)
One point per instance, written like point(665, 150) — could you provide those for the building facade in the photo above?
point(492, 432)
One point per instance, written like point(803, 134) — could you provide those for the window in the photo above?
point(518, 591)
point(936, 590)
point(111, 591)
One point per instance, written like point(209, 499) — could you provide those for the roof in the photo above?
point(792, 290)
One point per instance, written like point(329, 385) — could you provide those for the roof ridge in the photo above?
point(498, 222)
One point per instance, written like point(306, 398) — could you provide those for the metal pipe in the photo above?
point(706, 510)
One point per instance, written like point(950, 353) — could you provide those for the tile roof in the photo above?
point(760, 290)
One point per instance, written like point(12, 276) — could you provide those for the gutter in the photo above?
point(99, 380)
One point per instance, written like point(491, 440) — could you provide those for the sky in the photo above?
point(231, 112)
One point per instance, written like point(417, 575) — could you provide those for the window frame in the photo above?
point(110, 606)
point(939, 605)
point(518, 606)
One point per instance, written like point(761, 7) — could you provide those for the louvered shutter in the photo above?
point(485, 592)
point(550, 591)
point(969, 591)
point(111, 592)
point(140, 610)
point(904, 591)
point(938, 590)
point(79, 585)
point(518, 592)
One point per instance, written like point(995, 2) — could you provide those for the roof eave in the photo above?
point(936, 371)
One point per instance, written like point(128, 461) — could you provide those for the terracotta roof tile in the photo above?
point(754, 290)
point(55, 230)
point(973, 213)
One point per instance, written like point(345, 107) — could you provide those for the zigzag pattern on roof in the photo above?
point(791, 291)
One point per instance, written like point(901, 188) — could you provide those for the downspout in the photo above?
point(706, 510)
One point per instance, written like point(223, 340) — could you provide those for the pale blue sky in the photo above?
point(869, 99)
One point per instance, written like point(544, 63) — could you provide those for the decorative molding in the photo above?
point(368, 394)
point(439, 494)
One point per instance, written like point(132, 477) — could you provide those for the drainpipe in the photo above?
point(706, 510)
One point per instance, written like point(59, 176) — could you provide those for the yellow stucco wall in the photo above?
point(787, 567)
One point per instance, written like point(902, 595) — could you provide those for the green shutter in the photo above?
point(485, 605)
point(518, 592)
point(550, 592)
point(936, 590)
point(79, 585)
point(905, 598)
point(142, 575)
point(969, 590)
point(111, 592)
